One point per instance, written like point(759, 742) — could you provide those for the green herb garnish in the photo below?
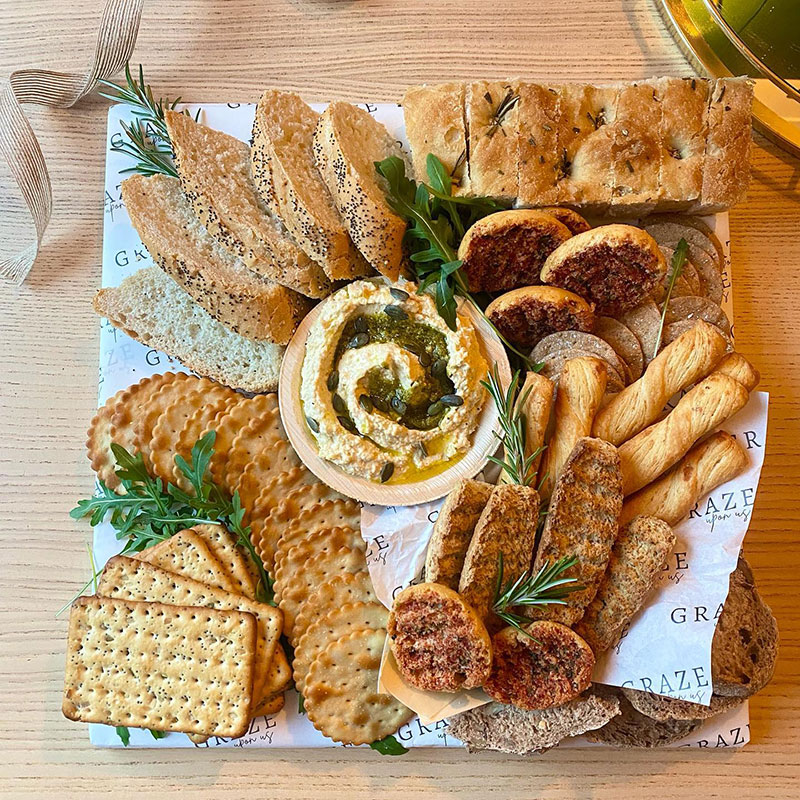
point(124, 734)
point(515, 463)
point(150, 512)
point(501, 112)
point(148, 139)
point(676, 266)
point(389, 746)
point(545, 587)
point(437, 222)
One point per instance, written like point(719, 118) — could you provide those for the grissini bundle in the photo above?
point(717, 459)
point(536, 402)
point(680, 364)
point(581, 387)
point(740, 369)
point(699, 411)
point(637, 557)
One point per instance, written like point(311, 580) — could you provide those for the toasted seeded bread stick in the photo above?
point(680, 364)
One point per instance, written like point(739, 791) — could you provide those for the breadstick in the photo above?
point(707, 465)
point(657, 448)
point(581, 387)
point(680, 364)
point(537, 393)
point(637, 557)
point(740, 369)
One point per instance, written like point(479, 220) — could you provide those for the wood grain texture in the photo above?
point(210, 50)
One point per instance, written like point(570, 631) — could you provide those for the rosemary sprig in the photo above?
point(151, 512)
point(676, 266)
point(515, 463)
point(148, 138)
point(545, 587)
point(436, 224)
point(501, 112)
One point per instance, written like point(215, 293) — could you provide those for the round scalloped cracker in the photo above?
point(129, 406)
point(278, 458)
point(301, 545)
point(98, 445)
point(352, 587)
point(624, 342)
point(644, 321)
point(336, 623)
point(342, 699)
point(151, 410)
point(562, 341)
point(229, 426)
point(279, 502)
point(694, 308)
point(301, 584)
point(167, 430)
point(261, 433)
point(198, 425)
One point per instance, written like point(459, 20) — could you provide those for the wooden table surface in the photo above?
point(349, 49)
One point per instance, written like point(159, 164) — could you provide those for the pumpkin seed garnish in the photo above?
point(425, 358)
point(435, 408)
point(453, 400)
point(380, 403)
point(360, 325)
point(313, 424)
point(333, 380)
point(395, 312)
point(347, 424)
point(398, 405)
point(365, 402)
point(439, 368)
point(339, 404)
point(398, 294)
point(359, 340)
point(387, 471)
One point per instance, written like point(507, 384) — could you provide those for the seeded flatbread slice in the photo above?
point(187, 554)
point(229, 425)
point(342, 700)
point(663, 708)
point(338, 622)
point(694, 308)
point(128, 579)
point(262, 432)
point(267, 465)
point(233, 558)
point(147, 665)
point(644, 321)
point(351, 587)
point(299, 586)
point(578, 340)
point(624, 342)
point(270, 519)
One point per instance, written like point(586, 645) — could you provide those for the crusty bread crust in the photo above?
point(508, 249)
point(615, 267)
point(526, 315)
point(348, 141)
point(452, 532)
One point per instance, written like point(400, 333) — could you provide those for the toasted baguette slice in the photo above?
point(219, 281)
point(282, 162)
point(214, 169)
point(150, 307)
point(348, 141)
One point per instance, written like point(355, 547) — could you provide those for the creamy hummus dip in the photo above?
point(388, 390)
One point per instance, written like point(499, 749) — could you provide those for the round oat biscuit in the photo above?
point(129, 406)
point(280, 502)
point(553, 365)
point(261, 433)
point(316, 537)
point(352, 587)
point(292, 590)
point(167, 430)
point(624, 342)
point(295, 552)
point(341, 697)
point(336, 623)
point(645, 322)
point(269, 463)
point(578, 340)
point(230, 425)
point(697, 308)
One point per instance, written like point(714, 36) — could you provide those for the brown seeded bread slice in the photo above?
point(497, 726)
point(282, 163)
point(452, 532)
point(745, 645)
point(506, 526)
point(151, 308)
point(217, 280)
point(348, 141)
point(214, 170)
point(434, 117)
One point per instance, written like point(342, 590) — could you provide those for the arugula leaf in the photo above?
point(389, 746)
point(157, 734)
point(149, 512)
point(301, 703)
point(676, 268)
point(124, 734)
